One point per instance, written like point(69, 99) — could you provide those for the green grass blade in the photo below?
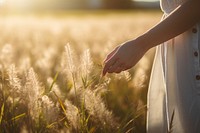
point(54, 81)
point(2, 111)
point(51, 125)
point(61, 103)
point(130, 130)
point(54, 123)
point(140, 112)
point(18, 117)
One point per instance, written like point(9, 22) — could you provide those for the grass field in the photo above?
point(50, 72)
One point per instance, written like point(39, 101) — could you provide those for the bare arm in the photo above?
point(129, 53)
point(181, 19)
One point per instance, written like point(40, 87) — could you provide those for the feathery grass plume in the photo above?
point(123, 75)
point(106, 81)
point(33, 85)
point(72, 114)
point(49, 110)
point(140, 78)
point(97, 109)
point(127, 75)
point(71, 69)
point(15, 92)
point(101, 89)
point(69, 59)
point(34, 91)
point(14, 81)
point(68, 64)
point(25, 63)
point(86, 67)
point(46, 62)
point(6, 56)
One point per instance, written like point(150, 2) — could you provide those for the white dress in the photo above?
point(175, 82)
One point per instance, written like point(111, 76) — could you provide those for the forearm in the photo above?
point(180, 20)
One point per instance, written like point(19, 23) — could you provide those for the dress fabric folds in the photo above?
point(174, 88)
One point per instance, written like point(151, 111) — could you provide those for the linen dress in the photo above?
point(175, 82)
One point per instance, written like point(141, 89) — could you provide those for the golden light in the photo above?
point(35, 5)
point(43, 4)
point(2, 2)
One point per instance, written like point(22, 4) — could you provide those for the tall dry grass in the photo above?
point(50, 73)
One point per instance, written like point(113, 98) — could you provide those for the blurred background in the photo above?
point(31, 5)
point(34, 34)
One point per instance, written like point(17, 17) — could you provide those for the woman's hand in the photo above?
point(123, 57)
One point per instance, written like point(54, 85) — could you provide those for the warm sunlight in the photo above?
point(18, 4)
point(1, 2)
point(44, 4)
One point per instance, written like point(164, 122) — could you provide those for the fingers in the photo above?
point(111, 54)
point(108, 64)
point(112, 66)
point(116, 67)
point(119, 69)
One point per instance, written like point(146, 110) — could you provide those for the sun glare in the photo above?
point(24, 5)
point(18, 3)
point(2, 1)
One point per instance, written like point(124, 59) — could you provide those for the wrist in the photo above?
point(142, 43)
